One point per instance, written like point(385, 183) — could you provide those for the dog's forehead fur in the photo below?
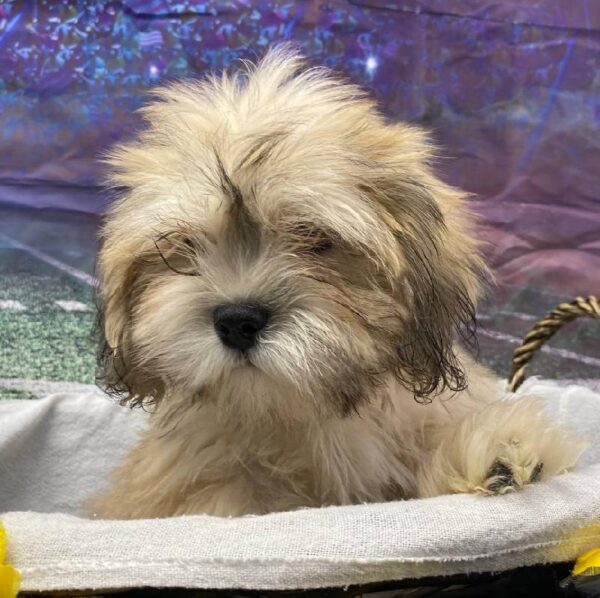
point(289, 147)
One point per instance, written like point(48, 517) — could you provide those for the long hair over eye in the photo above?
point(178, 253)
point(311, 240)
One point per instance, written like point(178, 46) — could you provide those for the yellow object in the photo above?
point(10, 578)
point(588, 563)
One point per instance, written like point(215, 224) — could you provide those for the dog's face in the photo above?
point(275, 233)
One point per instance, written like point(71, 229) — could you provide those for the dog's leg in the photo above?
point(500, 448)
point(133, 500)
point(155, 480)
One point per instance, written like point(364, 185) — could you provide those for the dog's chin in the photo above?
point(248, 371)
point(234, 371)
point(241, 362)
point(250, 389)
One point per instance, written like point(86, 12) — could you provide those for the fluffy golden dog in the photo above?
point(283, 281)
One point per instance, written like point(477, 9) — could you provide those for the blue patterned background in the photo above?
point(510, 90)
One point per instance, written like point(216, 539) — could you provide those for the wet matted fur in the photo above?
point(283, 187)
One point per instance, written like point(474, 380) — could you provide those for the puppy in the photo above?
point(283, 282)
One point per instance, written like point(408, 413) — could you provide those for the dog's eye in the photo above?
point(188, 244)
point(312, 240)
point(321, 246)
point(177, 253)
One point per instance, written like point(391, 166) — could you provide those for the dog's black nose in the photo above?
point(238, 325)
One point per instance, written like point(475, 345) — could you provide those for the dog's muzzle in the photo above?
point(238, 325)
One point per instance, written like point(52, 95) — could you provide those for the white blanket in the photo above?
point(55, 452)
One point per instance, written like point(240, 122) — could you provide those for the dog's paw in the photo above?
point(503, 477)
point(502, 448)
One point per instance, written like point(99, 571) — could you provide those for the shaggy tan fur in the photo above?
point(286, 188)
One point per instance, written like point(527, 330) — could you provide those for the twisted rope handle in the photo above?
point(545, 329)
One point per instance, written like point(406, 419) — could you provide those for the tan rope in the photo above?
point(545, 329)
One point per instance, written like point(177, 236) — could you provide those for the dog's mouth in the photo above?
point(243, 360)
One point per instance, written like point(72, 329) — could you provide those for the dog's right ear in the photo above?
point(121, 370)
point(443, 274)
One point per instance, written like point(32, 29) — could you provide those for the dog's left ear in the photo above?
point(442, 272)
point(121, 371)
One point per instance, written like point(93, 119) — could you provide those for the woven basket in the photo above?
point(545, 329)
point(537, 580)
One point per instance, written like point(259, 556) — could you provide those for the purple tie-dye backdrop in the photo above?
point(509, 88)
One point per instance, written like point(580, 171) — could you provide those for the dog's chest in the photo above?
point(338, 461)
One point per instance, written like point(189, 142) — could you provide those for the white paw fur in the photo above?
point(503, 447)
